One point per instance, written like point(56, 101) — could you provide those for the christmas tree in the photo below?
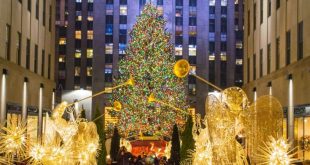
point(149, 60)
point(175, 147)
point(188, 143)
point(115, 144)
point(101, 158)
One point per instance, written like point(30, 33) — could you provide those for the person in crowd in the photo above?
point(123, 156)
point(139, 161)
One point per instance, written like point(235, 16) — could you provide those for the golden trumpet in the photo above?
point(152, 98)
point(130, 82)
point(182, 68)
point(117, 106)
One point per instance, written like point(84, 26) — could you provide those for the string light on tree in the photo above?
point(149, 59)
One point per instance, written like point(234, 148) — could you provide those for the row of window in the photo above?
point(29, 2)
point(277, 53)
point(19, 57)
point(77, 71)
point(261, 13)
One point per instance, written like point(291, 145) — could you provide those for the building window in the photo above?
point(223, 46)
point(62, 59)
point(109, 9)
point(178, 51)
point(223, 73)
point(29, 5)
point(43, 63)
point(254, 17)
point(249, 22)
point(238, 61)
point(248, 69)
point(49, 66)
point(36, 58)
point(192, 31)
point(78, 53)
point(192, 2)
point(178, 11)
point(44, 11)
point(300, 41)
point(223, 25)
point(288, 48)
point(62, 41)
point(121, 48)
point(223, 56)
point(239, 45)
point(254, 67)
point(123, 2)
point(77, 71)
point(8, 42)
point(90, 34)
point(261, 11)
point(78, 16)
point(19, 40)
point(89, 71)
point(90, 53)
point(278, 4)
point(90, 6)
point(211, 57)
point(192, 41)
point(179, 2)
point(268, 58)
point(90, 16)
point(211, 25)
point(211, 2)
point(223, 11)
point(223, 2)
point(261, 63)
point(192, 51)
point(110, 1)
point(50, 19)
point(123, 10)
point(211, 46)
point(269, 8)
point(37, 9)
point(78, 34)
point(28, 54)
point(109, 48)
point(278, 53)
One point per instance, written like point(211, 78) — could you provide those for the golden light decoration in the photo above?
point(151, 98)
point(235, 98)
point(13, 141)
point(37, 154)
point(202, 155)
point(117, 106)
point(221, 125)
point(264, 119)
point(131, 81)
point(275, 151)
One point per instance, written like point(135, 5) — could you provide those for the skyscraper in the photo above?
point(206, 33)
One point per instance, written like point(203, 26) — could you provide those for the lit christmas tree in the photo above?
point(149, 60)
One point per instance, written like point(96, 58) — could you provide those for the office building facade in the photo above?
point(277, 61)
point(27, 62)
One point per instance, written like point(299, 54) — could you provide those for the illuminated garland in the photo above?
point(150, 61)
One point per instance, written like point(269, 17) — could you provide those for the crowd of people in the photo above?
point(126, 158)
